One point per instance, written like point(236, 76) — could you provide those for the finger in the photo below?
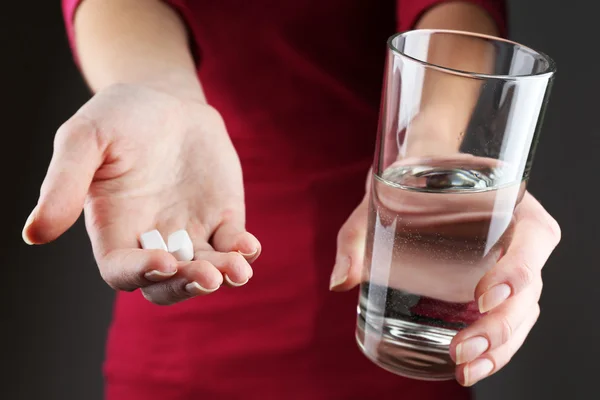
point(231, 236)
point(350, 250)
point(234, 267)
point(494, 360)
point(129, 269)
point(195, 278)
point(77, 155)
point(494, 329)
point(536, 234)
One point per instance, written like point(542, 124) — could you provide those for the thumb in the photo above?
point(77, 155)
point(350, 250)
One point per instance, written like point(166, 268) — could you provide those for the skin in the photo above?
point(128, 179)
point(509, 318)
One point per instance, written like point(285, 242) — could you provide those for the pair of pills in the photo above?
point(178, 243)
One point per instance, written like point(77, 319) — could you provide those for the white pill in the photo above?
point(181, 246)
point(153, 240)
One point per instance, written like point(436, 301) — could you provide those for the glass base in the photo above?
point(407, 349)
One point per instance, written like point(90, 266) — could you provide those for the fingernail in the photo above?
point(159, 276)
point(195, 289)
point(470, 349)
point(493, 297)
point(30, 219)
point(340, 272)
point(249, 255)
point(477, 370)
point(230, 282)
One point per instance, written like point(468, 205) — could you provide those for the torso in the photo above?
point(298, 85)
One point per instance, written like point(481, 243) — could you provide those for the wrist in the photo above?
point(182, 84)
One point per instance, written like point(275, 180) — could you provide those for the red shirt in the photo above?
point(298, 84)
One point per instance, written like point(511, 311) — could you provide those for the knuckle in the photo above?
point(548, 224)
point(109, 279)
point(66, 130)
point(523, 274)
point(511, 349)
point(497, 363)
point(162, 294)
point(235, 263)
point(155, 299)
point(501, 357)
point(538, 287)
point(117, 277)
point(505, 328)
point(174, 292)
point(80, 133)
point(207, 118)
point(347, 235)
point(554, 230)
point(161, 302)
point(536, 311)
point(73, 129)
point(212, 115)
point(199, 230)
point(147, 295)
point(111, 284)
point(118, 283)
point(236, 260)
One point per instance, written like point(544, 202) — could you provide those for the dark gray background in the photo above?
point(56, 309)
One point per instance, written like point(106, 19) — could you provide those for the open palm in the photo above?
point(137, 159)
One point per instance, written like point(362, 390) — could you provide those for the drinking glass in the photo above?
point(459, 122)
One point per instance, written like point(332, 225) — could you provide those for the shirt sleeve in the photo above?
point(409, 12)
point(68, 8)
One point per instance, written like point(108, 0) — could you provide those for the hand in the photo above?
point(136, 159)
point(508, 293)
point(430, 134)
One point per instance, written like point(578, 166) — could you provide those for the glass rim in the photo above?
point(545, 74)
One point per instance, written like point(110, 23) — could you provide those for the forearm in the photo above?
point(136, 42)
point(459, 15)
point(450, 98)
